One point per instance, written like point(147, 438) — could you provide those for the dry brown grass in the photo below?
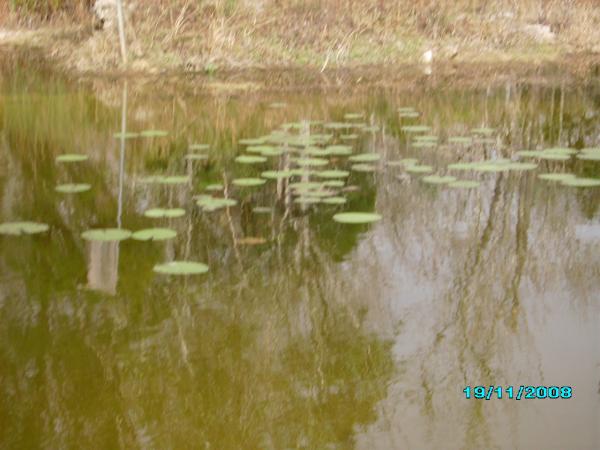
point(207, 34)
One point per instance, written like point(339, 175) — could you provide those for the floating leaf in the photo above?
point(333, 183)
point(129, 135)
point(181, 268)
point(416, 128)
point(311, 162)
point(197, 147)
point(365, 157)
point(214, 187)
point(262, 210)
point(556, 176)
point(307, 200)
point(348, 137)
point(19, 228)
point(521, 166)
point(363, 168)
point(250, 159)
point(248, 182)
point(156, 213)
point(106, 234)
point(71, 157)
point(591, 156)
point(353, 116)
point(581, 182)
point(153, 133)
point(72, 188)
point(334, 200)
point(277, 174)
point(175, 179)
point(154, 234)
point(356, 217)
point(209, 204)
point(332, 174)
point(339, 150)
point(415, 168)
point(437, 179)
point(483, 130)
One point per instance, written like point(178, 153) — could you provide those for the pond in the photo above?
point(193, 276)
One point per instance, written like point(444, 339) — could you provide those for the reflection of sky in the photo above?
point(412, 262)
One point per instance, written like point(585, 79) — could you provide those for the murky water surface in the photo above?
point(305, 332)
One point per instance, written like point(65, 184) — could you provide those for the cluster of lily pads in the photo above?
point(311, 161)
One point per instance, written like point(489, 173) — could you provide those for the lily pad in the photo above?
point(437, 179)
point(311, 162)
point(416, 128)
point(72, 188)
point(250, 159)
point(209, 204)
point(127, 135)
point(153, 133)
point(416, 168)
point(365, 157)
point(248, 182)
point(356, 217)
point(181, 268)
point(214, 187)
point(262, 210)
point(332, 174)
point(363, 168)
point(339, 150)
point(348, 137)
point(71, 157)
point(307, 200)
point(277, 174)
point(154, 234)
point(353, 116)
point(556, 176)
point(19, 228)
point(175, 179)
point(581, 182)
point(334, 200)
point(156, 213)
point(483, 130)
point(106, 234)
point(591, 156)
point(197, 147)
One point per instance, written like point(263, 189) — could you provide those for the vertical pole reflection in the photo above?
point(103, 266)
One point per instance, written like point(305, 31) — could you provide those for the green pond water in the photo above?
point(298, 327)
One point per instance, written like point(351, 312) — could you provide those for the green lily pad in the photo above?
point(154, 234)
point(19, 228)
point(483, 130)
point(72, 188)
point(409, 114)
point(175, 179)
point(209, 204)
point(591, 156)
point(181, 268)
point(156, 213)
point(129, 135)
point(365, 157)
point(554, 156)
point(71, 157)
point(406, 109)
point(529, 153)
point(437, 179)
point(353, 116)
point(248, 182)
point(214, 187)
point(356, 217)
point(311, 162)
point(262, 210)
point(260, 148)
point(197, 147)
point(334, 183)
point(307, 200)
point(348, 137)
point(332, 174)
point(416, 128)
point(556, 176)
point(334, 200)
point(581, 182)
point(339, 150)
point(106, 234)
point(490, 167)
point(462, 166)
point(522, 166)
point(415, 168)
point(277, 174)
point(254, 141)
point(464, 184)
point(363, 168)
point(153, 133)
point(250, 159)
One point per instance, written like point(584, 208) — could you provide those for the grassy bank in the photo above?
point(197, 35)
